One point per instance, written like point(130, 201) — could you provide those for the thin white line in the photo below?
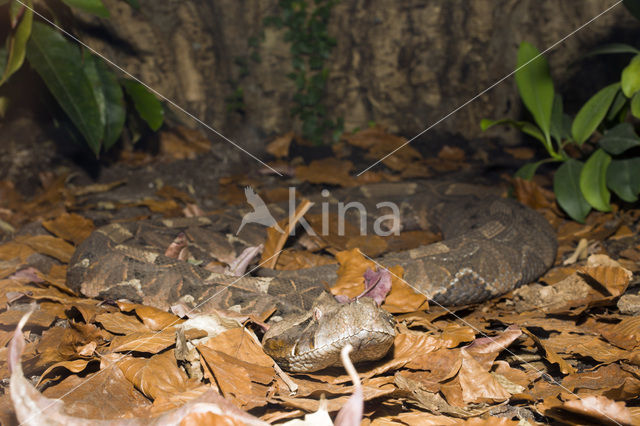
point(146, 339)
point(491, 87)
point(506, 349)
point(160, 95)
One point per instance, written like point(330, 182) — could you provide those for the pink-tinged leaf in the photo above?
point(238, 267)
point(177, 245)
point(29, 274)
point(351, 413)
point(495, 344)
point(377, 284)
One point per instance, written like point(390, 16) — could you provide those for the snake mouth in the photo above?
point(315, 340)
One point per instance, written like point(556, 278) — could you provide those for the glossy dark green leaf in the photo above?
point(529, 170)
point(630, 77)
point(59, 64)
point(593, 181)
point(616, 106)
point(91, 6)
point(109, 98)
point(557, 119)
point(148, 106)
point(619, 139)
point(18, 43)
point(635, 105)
point(613, 48)
point(3, 57)
point(623, 177)
point(592, 113)
point(566, 185)
point(535, 86)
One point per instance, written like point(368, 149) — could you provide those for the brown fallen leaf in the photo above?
point(625, 334)
point(279, 147)
point(155, 319)
point(291, 259)
point(609, 380)
point(120, 323)
point(158, 376)
point(551, 354)
point(75, 399)
point(241, 344)
point(51, 246)
point(329, 170)
point(593, 410)
point(239, 381)
point(70, 226)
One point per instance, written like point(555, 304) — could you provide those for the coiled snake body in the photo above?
point(490, 246)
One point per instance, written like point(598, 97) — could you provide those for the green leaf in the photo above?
point(566, 185)
point(630, 78)
point(527, 171)
point(593, 181)
point(633, 6)
point(619, 139)
point(59, 64)
point(592, 113)
point(618, 102)
point(623, 177)
point(524, 126)
point(92, 6)
point(635, 105)
point(109, 97)
point(557, 119)
point(3, 57)
point(18, 44)
point(535, 86)
point(148, 106)
point(612, 49)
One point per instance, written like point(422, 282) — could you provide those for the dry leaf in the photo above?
point(328, 170)
point(70, 227)
point(279, 147)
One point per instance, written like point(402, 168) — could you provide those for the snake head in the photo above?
point(313, 340)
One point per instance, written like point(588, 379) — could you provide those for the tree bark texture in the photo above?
point(403, 64)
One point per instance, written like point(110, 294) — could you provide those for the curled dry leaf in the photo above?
point(120, 323)
point(158, 376)
point(154, 318)
point(350, 283)
point(150, 342)
point(279, 147)
point(51, 246)
point(550, 354)
point(70, 226)
point(599, 409)
point(240, 381)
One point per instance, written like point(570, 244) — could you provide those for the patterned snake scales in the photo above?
point(490, 246)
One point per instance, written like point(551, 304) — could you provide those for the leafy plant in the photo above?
point(89, 93)
point(307, 32)
point(600, 136)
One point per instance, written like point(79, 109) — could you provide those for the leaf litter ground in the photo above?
point(566, 348)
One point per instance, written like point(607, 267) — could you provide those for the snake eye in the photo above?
point(317, 314)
